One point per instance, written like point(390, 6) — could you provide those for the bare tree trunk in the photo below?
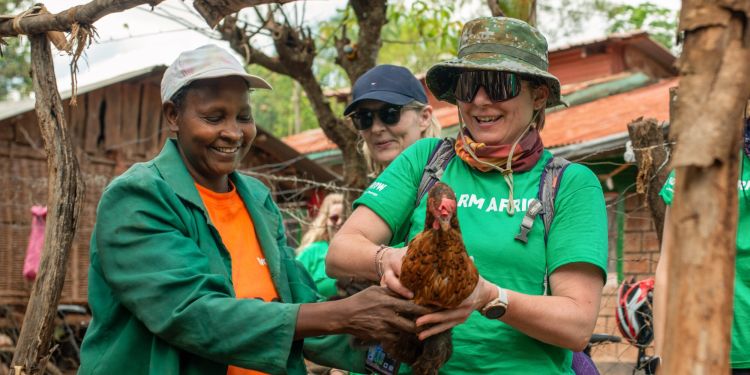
point(714, 87)
point(65, 193)
point(652, 157)
point(296, 108)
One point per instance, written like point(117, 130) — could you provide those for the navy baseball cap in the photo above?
point(387, 83)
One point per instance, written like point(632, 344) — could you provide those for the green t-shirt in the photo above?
point(313, 257)
point(740, 354)
point(578, 234)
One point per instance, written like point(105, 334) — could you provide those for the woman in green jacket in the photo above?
point(190, 272)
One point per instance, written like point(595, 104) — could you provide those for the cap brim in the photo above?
point(441, 77)
point(383, 96)
point(253, 82)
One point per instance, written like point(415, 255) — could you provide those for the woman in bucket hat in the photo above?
point(537, 301)
point(190, 272)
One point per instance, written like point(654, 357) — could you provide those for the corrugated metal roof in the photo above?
point(607, 116)
point(308, 141)
point(12, 108)
point(600, 39)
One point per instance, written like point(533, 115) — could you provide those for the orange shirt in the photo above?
point(250, 274)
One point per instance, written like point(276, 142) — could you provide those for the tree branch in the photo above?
point(495, 8)
point(356, 59)
point(82, 14)
point(296, 52)
point(214, 10)
point(211, 10)
point(239, 40)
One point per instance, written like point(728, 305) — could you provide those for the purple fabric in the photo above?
point(36, 242)
point(583, 365)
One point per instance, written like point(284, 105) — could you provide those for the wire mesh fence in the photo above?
point(634, 247)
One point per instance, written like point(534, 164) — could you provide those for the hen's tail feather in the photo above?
point(406, 349)
point(436, 350)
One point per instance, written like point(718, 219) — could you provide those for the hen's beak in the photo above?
point(445, 222)
point(445, 212)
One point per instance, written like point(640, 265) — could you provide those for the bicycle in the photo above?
point(70, 326)
point(645, 363)
point(582, 363)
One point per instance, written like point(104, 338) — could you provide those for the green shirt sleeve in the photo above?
point(391, 196)
point(313, 258)
point(165, 279)
point(667, 191)
point(579, 229)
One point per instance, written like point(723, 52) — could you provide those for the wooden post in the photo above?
point(714, 87)
point(652, 157)
point(65, 194)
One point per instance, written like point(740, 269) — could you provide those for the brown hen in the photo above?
point(439, 271)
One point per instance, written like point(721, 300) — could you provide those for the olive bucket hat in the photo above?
point(495, 43)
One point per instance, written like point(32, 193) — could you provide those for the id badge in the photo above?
point(379, 362)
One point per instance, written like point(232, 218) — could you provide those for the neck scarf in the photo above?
point(525, 155)
point(521, 156)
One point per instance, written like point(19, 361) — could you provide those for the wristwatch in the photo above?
point(496, 308)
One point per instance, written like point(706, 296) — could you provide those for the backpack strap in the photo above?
point(544, 204)
point(549, 185)
point(441, 155)
point(433, 170)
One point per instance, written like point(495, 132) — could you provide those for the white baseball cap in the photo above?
point(209, 61)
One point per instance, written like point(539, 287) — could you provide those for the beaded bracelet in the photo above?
point(379, 260)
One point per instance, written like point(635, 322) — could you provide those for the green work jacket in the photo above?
point(160, 284)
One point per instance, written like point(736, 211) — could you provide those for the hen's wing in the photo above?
point(438, 270)
point(419, 266)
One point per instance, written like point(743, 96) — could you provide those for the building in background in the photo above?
point(117, 122)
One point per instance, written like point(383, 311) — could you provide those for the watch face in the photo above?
point(495, 312)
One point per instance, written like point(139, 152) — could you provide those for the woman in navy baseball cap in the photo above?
point(389, 108)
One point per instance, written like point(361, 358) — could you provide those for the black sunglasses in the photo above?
point(499, 86)
point(389, 114)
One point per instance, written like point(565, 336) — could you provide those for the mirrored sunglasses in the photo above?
point(499, 86)
point(389, 114)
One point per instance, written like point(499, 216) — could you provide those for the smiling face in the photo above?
point(499, 123)
point(386, 142)
point(214, 128)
